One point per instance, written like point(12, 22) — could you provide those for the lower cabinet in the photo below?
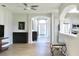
point(20, 37)
point(34, 36)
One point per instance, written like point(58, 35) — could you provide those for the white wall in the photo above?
point(18, 18)
point(6, 20)
point(34, 24)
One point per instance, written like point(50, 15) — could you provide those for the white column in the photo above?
point(52, 28)
point(29, 26)
point(56, 21)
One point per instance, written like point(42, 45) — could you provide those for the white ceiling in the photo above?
point(43, 7)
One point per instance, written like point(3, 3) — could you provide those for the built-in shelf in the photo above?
point(1, 38)
point(3, 43)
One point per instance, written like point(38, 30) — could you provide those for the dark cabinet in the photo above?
point(20, 37)
point(34, 36)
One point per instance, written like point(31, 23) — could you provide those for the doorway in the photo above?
point(42, 31)
point(41, 25)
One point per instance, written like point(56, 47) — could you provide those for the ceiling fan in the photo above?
point(30, 7)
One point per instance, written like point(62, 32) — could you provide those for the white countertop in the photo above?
point(72, 35)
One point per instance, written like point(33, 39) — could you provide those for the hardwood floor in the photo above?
point(35, 49)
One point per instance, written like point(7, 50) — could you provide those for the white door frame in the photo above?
point(49, 27)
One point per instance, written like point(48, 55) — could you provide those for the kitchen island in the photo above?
point(72, 43)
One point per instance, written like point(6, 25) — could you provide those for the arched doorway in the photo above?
point(65, 24)
point(63, 21)
point(41, 25)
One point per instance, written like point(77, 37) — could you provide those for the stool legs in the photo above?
point(58, 51)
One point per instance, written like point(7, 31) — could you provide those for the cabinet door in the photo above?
point(20, 37)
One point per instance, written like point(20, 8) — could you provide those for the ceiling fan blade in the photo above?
point(25, 4)
point(34, 6)
point(33, 9)
point(3, 5)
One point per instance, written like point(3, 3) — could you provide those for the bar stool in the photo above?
point(58, 49)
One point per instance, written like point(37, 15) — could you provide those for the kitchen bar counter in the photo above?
point(67, 34)
point(72, 43)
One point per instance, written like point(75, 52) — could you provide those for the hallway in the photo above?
point(42, 40)
point(38, 49)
